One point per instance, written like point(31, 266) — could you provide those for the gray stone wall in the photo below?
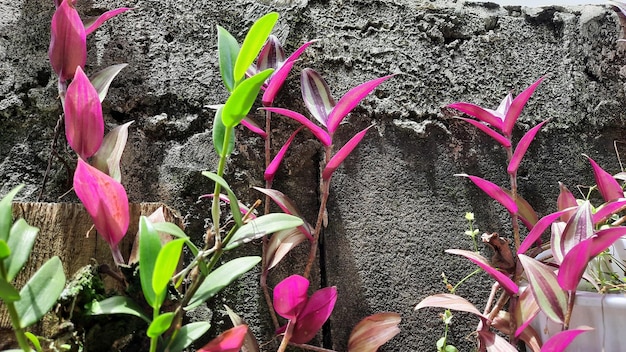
point(395, 206)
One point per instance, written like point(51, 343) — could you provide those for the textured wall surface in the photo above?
point(395, 206)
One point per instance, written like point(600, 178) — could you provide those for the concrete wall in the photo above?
point(395, 205)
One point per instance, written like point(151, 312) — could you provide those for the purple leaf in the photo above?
point(525, 211)
point(270, 172)
point(102, 18)
point(526, 309)
point(272, 54)
point(350, 100)
point(230, 340)
point(481, 114)
point(522, 147)
point(342, 154)
point(479, 260)
point(609, 188)
point(492, 133)
point(607, 210)
point(316, 95)
point(575, 261)
point(537, 230)
point(316, 130)
point(494, 192)
point(545, 288)
point(566, 200)
point(449, 301)
point(516, 107)
point(495, 343)
point(252, 126)
point(560, 340)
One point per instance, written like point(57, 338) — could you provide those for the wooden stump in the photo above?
point(65, 230)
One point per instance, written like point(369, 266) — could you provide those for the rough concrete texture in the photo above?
point(395, 205)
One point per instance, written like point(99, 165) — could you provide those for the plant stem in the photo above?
point(19, 332)
point(514, 216)
point(286, 337)
point(465, 279)
point(571, 299)
point(325, 191)
point(215, 206)
point(311, 348)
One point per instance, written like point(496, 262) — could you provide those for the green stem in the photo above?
point(465, 279)
point(215, 206)
point(19, 332)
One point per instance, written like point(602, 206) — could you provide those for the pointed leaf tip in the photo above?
point(342, 154)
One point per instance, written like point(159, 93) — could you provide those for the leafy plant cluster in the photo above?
point(532, 276)
point(167, 289)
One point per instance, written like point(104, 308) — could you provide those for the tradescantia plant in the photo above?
point(552, 272)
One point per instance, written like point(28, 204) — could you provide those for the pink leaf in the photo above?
point(281, 243)
point(316, 95)
point(560, 340)
point(609, 188)
point(350, 100)
point(270, 172)
point(566, 200)
point(495, 343)
point(522, 147)
point(545, 288)
point(479, 113)
point(278, 78)
point(84, 125)
point(373, 331)
point(516, 107)
point(287, 206)
point(230, 340)
point(342, 154)
point(449, 301)
point(105, 200)
point(275, 83)
point(537, 230)
point(575, 261)
point(526, 310)
point(316, 130)
point(504, 280)
point(290, 296)
point(493, 134)
point(494, 192)
point(607, 210)
point(102, 18)
point(252, 126)
point(68, 41)
point(314, 314)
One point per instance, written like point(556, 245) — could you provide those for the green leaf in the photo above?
point(160, 325)
point(228, 49)
point(165, 265)
point(220, 278)
point(34, 340)
point(174, 230)
point(262, 226)
point(234, 203)
point(6, 213)
point(188, 334)
point(8, 293)
point(21, 241)
point(149, 248)
point(117, 305)
point(219, 134)
point(252, 44)
point(40, 292)
point(102, 79)
point(240, 101)
point(5, 251)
